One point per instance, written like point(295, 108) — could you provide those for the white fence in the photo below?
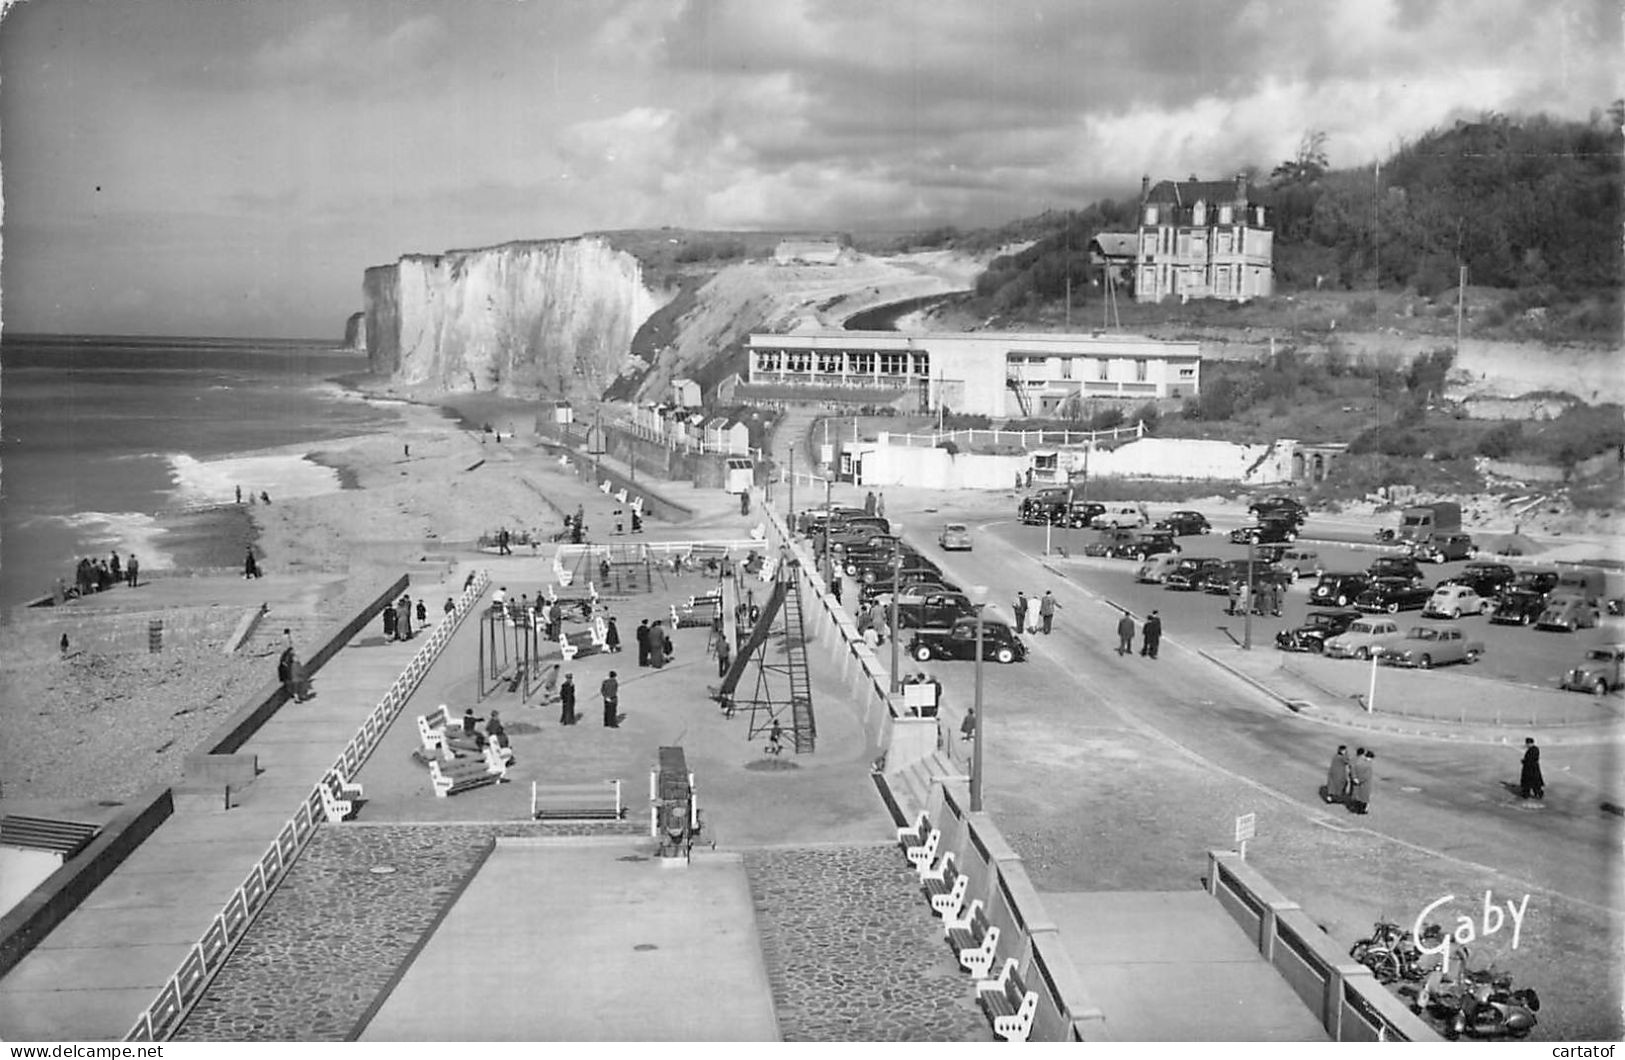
point(970, 439)
point(210, 953)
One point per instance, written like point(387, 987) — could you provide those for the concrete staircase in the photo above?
point(911, 785)
point(791, 433)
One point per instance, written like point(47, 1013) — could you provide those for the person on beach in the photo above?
point(239, 494)
point(1125, 634)
point(132, 573)
point(265, 498)
point(63, 646)
point(1531, 782)
point(251, 567)
point(1337, 776)
point(117, 568)
point(611, 691)
point(449, 608)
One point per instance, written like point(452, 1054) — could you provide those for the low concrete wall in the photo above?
point(235, 731)
point(1344, 996)
point(59, 894)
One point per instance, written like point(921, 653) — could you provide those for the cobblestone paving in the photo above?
point(335, 934)
point(853, 952)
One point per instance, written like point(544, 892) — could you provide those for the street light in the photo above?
point(1247, 607)
point(978, 598)
point(829, 564)
point(896, 575)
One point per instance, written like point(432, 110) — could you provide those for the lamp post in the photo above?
point(829, 562)
point(791, 512)
point(978, 596)
point(896, 574)
point(1247, 608)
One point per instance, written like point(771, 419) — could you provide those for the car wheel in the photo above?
point(1362, 654)
point(1291, 535)
point(1600, 688)
point(922, 653)
point(1393, 608)
point(1456, 613)
point(1342, 601)
point(1005, 655)
point(1523, 619)
point(1472, 657)
point(1425, 663)
point(868, 577)
point(851, 570)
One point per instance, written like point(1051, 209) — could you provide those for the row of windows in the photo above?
point(844, 362)
point(1103, 367)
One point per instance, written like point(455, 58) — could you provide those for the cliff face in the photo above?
point(522, 319)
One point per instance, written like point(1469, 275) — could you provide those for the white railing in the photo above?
point(160, 1019)
point(970, 439)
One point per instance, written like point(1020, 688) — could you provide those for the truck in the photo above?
point(1599, 672)
point(1420, 523)
point(1596, 584)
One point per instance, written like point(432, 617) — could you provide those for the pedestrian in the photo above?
point(406, 450)
point(239, 494)
point(391, 622)
point(868, 504)
point(643, 642)
point(744, 503)
point(403, 617)
point(1244, 598)
point(612, 635)
point(251, 567)
point(132, 573)
point(449, 608)
point(555, 620)
point(423, 613)
point(880, 505)
point(1531, 784)
point(724, 656)
point(659, 645)
point(63, 646)
point(1275, 598)
point(499, 600)
point(1360, 780)
point(468, 581)
point(567, 700)
point(1125, 634)
point(967, 728)
point(1021, 612)
point(1046, 609)
point(1151, 635)
point(1337, 776)
point(284, 671)
point(835, 585)
point(117, 568)
point(611, 691)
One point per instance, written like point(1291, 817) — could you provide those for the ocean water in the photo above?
point(102, 437)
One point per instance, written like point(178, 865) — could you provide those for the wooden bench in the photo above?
point(975, 943)
point(915, 834)
point(1009, 1005)
point(945, 886)
point(339, 796)
point(438, 730)
point(66, 838)
point(576, 802)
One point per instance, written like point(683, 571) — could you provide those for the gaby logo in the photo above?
point(1466, 929)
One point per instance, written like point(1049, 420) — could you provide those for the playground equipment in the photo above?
point(781, 686)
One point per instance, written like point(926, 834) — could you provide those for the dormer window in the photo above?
point(1150, 215)
point(1199, 213)
point(1225, 215)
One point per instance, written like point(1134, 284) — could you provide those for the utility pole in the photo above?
point(792, 510)
point(1461, 308)
point(979, 600)
point(1247, 608)
point(896, 574)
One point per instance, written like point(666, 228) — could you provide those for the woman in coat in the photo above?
point(1337, 777)
point(1360, 780)
point(1531, 783)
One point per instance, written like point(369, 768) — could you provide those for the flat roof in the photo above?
point(1013, 340)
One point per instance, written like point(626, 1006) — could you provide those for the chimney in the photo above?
point(1241, 189)
point(1145, 188)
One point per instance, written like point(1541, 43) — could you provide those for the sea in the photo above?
point(107, 443)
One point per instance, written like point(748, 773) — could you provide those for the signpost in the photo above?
point(1246, 828)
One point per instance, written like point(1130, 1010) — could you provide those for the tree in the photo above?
point(1307, 166)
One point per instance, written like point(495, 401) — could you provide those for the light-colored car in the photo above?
point(955, 537)
point(1156, 569)
point(1120, 517)
point(1453, 601)
point(1429, 646)
point(1300, 562)
point(1365, 638)
point(1600, 672)
point(1567, 613)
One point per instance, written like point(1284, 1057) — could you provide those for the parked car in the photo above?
point(1600, 672)
point(1185, 523)
point(879, 579)
point(1298, 561)
point(1395, 567)
point(1187, 574)
point(1045, 506)
point(958, 641)
point(1363, 638)
point(1108, 540)
point(1234, 572)
point(1568, 614)
point(861, 538)
point(1444, 548)
point(937, 609)
point(1393, 595)
point(955, 537)
point(857, 559)
point(1453, 601)
point(913, 593)
point(1083, 513)
point(1533, 581)
point(1516, 607)
point(1340, 588)
point(1157, 568)
point(1144, 544)
point(811, 521)
point(1121, 517)
point(1318, 627)
point(1429, 646)
point(1483, 580)
point(1281, 506)
point(1270, 530)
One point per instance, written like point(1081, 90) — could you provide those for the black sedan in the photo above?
point(1517, 607)
point(1271, 530)
point(1312, 635)
point(999, 642)
point(1185, 523)
point(1393, 595)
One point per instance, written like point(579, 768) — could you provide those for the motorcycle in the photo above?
point(1478, 1004)
point(1393, 954)
point(1386, 534)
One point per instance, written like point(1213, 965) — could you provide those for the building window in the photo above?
point(861, 362)
point(830, 362)
point(1066, 368)
point(1187, 373)
point(893, 363)
point(1105, 369)
point(1226, 215)
point(1150, 215)
point(1139, 370)
point(922, 365)
point(798, 361)
point(1199, 213)
point(769, 360)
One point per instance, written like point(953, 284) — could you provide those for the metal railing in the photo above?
point(969, 439)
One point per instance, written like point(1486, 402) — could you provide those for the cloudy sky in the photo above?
point(226, 167)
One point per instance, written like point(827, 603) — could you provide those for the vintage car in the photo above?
point(1393, 595)
point(859, 539)
point(1364, 638)
point(1045, 506)
point(1488, 582)
point(1453, 601)
point(1156, 568)
point(1143, 545)
point(1120, 517)
point(1083, 513)
point(1265, 532)
point(1600, 672)
point(1282, 507)
point(1318, 627)
point(1218, 580)
point(1298, 562)
point(1395, 567)
point(1339, 587)
point(913, 593)
point(1531, 581)
point(1107, 540)
point(879, 579)
point(1428, 646)
point(1567, 614)
point(958, 641)
point(1185, 523)
point(1517, 607)
point(937, 609)
point(858, 559)
point(811, 522)
point(955, 537)
point(1443, 548)
point(1188, 573)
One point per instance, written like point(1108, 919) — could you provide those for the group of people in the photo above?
point(290, 671)
point(1349, 781)
point(263, 496)
point(609, 690)
point(97, 575)
point(470, 738)
point(873, 505)
point(654, 644)
point(1266, 601)
point(1046, 607)
point(397, 617)
point(1150, 635)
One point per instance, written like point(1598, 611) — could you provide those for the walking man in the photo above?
point(1046, 609)
point(1021, 612)
point(567, 700)
point(1337, 775)
point(133, 571)
point(1531, 784)
point(1360, 780)
point(1152, 635)
point(724, 656)
point(611, 691)
point(643, 643)
point(1125, 634)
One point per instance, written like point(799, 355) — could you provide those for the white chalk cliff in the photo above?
point(554, 317)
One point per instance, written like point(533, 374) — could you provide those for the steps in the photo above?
point(911, 786)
